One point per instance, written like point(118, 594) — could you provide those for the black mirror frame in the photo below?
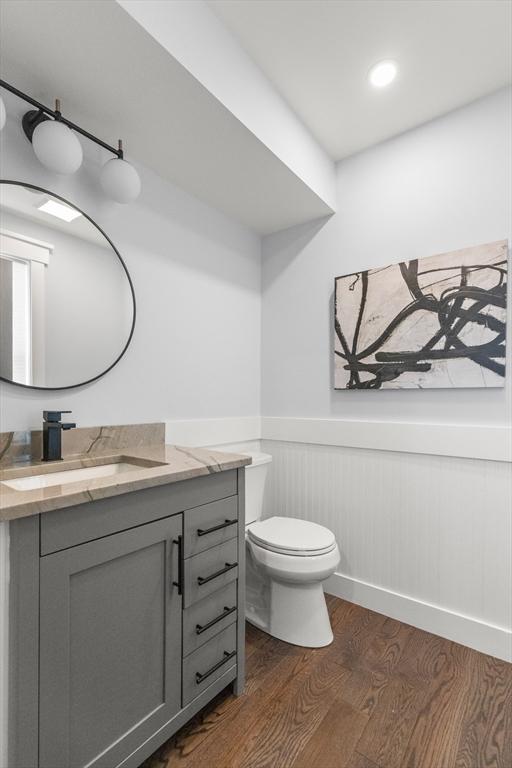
point(107, 238)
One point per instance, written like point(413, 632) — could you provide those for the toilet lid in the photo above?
point(290, 536)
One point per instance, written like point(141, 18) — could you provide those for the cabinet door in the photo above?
point(110, 645)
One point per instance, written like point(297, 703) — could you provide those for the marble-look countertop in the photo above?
point(159, 465)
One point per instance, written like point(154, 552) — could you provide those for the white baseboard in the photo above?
point(199, 432)
point(468, 441)
point(483, 637)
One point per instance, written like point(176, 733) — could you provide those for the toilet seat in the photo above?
point(290, 536)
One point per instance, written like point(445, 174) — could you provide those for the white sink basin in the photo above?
point(71, 476)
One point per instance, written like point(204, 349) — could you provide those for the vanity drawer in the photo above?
point(208, 617)
point(208, 663)
point(210, 525)
point(68, 527)
point(209, 571)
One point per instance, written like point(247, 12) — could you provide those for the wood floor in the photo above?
point(383, 695)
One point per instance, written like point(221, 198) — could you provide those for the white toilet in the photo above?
point(287, 561)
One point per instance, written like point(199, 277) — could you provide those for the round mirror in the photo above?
point(67, 306)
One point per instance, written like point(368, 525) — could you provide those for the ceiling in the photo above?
point(115, 80)
point(118, 79)
point(317, 53)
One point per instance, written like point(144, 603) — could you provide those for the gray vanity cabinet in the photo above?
point(110, 645)
point(126, 618)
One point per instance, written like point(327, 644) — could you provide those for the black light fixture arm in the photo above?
point(32, 118)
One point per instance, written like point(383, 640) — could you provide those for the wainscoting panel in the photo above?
point(432, 530)
point(469, 441)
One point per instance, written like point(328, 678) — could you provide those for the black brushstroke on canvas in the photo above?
point(452, 316)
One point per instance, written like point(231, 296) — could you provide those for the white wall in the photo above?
point(196, 274)
point(424, 538)
point(443, 186)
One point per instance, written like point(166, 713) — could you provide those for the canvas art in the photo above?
point(433, 322)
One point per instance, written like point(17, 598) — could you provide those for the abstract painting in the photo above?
point(433, 322)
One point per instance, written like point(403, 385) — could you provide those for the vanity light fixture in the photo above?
point(58, 148)
point(383, 73)
point(59, 210)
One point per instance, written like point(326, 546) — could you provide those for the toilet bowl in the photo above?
point(284, 593)
point(287, 559)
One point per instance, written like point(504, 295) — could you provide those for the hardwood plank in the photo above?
point(292, 718)
point(371, 671)
point(385, 652)
point(364, 690)
point(333, 743)
point(254, 639)
point(424, 656)
point(437, 730)
point(340, 612)
point(359, 761)
point(486, 738)
point(354, 634)
point(269, 657)
point(385, 738)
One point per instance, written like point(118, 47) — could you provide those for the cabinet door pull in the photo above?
point(226, 612)
point(200, 677)
point(225, 524)
point(181, 564)
point(205, 579)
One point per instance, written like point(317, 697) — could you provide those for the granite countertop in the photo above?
point(157, 465)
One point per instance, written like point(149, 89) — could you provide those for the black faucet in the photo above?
point(52, 434)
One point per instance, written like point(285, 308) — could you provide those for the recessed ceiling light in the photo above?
point(383, 73)
point(59, 210)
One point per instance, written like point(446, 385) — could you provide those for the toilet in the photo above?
point(286, 562)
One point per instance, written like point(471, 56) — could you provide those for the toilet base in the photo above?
point(285, 598)
point(298, 615)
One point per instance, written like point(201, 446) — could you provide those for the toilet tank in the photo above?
point(255, 476)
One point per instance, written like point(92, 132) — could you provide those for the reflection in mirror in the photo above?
point(66, 301)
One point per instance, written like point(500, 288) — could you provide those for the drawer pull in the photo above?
point(225, 524)
point(200, 677)
point(226, 612)
point(205, 579)
point(181, 564)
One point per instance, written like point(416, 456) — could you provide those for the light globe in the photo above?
point(120, 180)
point(57, 147)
